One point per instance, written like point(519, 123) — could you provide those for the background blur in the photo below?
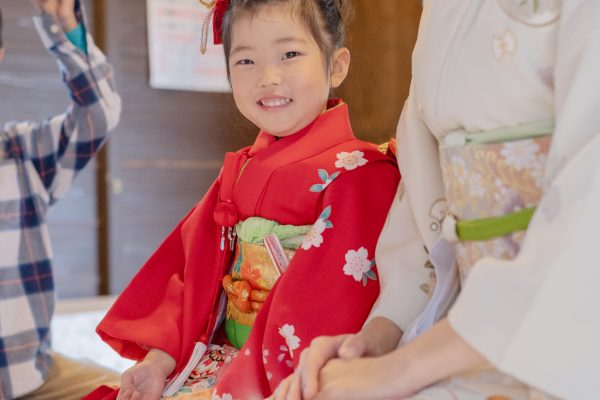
point(170, 144)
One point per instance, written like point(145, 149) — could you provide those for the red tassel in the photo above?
point(225, 213)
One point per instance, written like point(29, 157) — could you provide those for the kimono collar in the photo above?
point(329, 129)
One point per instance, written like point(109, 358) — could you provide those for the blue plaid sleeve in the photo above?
point(59, 147)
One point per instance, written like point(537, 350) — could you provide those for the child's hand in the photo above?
point(146, 380)
point(64, 10)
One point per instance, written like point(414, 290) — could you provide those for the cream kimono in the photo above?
point(481, 65)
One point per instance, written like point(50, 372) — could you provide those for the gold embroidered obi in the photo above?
point(489, 178)
point(253, 272)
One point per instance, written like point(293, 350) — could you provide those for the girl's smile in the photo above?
point(274, 102)
point(279, 76)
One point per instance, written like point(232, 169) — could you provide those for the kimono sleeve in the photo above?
point(402, 266)
point(332, 281)
point(536, 317)
point(151, 311)
point(402, 259)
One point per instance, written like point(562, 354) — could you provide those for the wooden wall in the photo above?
point(381, 39)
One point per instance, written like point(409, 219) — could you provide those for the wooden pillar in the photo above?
point(98, 11)
point(381, 37)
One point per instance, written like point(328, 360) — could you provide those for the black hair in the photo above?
point(325, 19)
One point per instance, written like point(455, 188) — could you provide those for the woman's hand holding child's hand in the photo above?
point(378, 337)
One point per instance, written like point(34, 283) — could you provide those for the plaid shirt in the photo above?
point(38, 162)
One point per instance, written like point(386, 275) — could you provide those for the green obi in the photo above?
point(253, 273)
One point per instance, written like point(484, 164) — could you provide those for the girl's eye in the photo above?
point(290, 54)
point(245, 61)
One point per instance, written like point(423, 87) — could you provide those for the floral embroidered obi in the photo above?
point(493, 181)
point(255, 271)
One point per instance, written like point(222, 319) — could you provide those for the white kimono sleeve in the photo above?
point(537, 317)
point(401, 251)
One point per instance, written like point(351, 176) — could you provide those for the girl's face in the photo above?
point(278, 75)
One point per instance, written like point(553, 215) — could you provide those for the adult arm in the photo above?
point(535, 317)
point(53, 151)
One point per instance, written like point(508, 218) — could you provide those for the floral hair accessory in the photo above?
point(218, 8)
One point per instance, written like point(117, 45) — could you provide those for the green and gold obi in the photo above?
point(493, 181)
point(253, 273)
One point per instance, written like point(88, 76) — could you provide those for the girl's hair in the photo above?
point(325, 20)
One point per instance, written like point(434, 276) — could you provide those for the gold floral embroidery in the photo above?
point(489, 180)
point(504, 46)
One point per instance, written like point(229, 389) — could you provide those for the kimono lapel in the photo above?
point(328, 130)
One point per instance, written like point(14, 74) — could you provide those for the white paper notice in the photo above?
point(174, 39)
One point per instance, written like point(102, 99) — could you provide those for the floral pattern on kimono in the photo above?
point(489, 180)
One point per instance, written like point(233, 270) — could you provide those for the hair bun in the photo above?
point(343, 7)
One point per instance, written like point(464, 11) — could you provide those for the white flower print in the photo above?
point(265, 355)
point(476, 185)
point(537, 171)
point(459, 168)
point(288, 332)
point(314, 237)
point(269, 376)
point(284, 352)
point(350, 161)
point(520, 154)
point(501, 190)
point(359, 266)
point(247, 352)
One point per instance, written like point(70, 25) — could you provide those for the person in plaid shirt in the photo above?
point(38, 162)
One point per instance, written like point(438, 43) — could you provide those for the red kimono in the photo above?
point(323, 174)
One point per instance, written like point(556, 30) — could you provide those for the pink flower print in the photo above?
point(350, 161)
point(359, 266)
point(314, 237)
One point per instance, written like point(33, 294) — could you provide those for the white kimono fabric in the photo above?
point(480, 65)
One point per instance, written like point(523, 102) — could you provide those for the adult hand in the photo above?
point(64, 10)
point(376, 338)
point(363, 379)
point(146, 380)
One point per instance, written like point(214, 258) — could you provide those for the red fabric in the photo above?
point(172, 302)
point(102, 393)
point(221, 7)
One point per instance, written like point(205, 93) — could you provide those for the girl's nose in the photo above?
point(270, 76)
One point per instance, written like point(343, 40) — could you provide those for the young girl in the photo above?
point(307, 180)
